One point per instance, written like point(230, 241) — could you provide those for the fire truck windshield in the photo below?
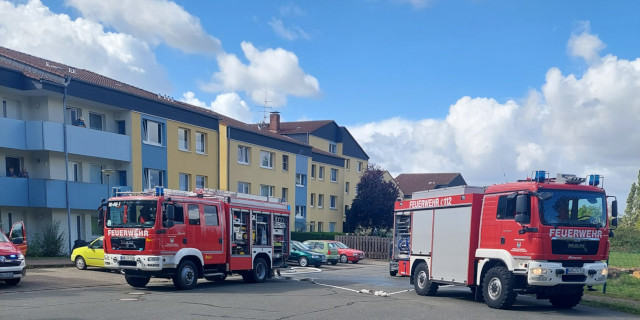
point(574, 208)
point(131, 214)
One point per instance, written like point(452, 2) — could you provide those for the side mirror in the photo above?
point(522, 218)
point(522, 205)
point(171, 212)
point(614, 208)
point(614, 223)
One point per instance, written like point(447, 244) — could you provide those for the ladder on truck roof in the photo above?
point(222, 195)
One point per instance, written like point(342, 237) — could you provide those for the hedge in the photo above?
point(626, 239)
point(303, 236)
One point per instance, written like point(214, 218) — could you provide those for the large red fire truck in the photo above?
point(189, 235)
point(543, 236)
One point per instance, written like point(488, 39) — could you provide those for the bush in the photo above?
point(626, 239)
point(303, 236)
point(49, 244)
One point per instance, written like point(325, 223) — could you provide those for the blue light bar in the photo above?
point(159, 191)
point(540, 176)
point(594, 180)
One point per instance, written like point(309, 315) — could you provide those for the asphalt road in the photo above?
point(333, 293)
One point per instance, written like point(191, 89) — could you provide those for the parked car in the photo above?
point(13, 266)
point(91, 255)
point(304, 256)
point(347, 254)
point(327, 247)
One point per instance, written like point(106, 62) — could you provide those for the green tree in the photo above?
point(372, 208)
point(632, 211)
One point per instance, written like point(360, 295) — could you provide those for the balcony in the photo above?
point(44, 193)
point(48, 136)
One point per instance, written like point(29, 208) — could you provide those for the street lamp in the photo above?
point(108, 172)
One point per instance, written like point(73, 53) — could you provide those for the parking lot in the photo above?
point(345, 291)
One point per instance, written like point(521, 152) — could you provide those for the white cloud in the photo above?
point(82, 43)
point(291, 10)
point(153, 21)
point(573, 124)
point(585, 44)
point(229, 104)
point(418, 4)
point(288, 33)
point(271, 74)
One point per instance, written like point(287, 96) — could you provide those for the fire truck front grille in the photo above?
point(125, 243)
point(574, 247)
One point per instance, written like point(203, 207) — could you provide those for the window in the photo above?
point(321, 173)
point(201, 182)
point(184, 181)
point(194, 214)
point(313, 171)
point(243, 155)
point(121, 125)
point(334, 175)
point(332, 202)
point(153, 178)
point(506, 209)
point(95, 174)
point(347, 164)
point(312, 226)
point(285, 162)
point(244, 187)
point(332, 227)
point(96, 121)
point(211, 216)
point(178, 217)
point(4, 109)
point(312, 200)
point(266, 159)
point(346, 187)
point(267, 191)
point(122, 177)
point(320, 226)
point(183, 139)
point(301, 212)
point(333, 149)
point(201, 142)
point(73, 114)
point(320, 200)
point(152, 132)
point(359, 166)
point(285, 194)
point(74, 171)
point(301, 180)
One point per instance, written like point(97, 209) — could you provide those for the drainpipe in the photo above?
point(66, 158)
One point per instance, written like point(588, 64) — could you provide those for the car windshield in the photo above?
point(131, 214)
point(3, 238)
point(574, 208)
point(341, 245)
point(301, 246)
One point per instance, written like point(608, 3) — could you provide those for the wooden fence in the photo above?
point(373, 247)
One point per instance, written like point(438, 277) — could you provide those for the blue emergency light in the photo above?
point(159, 191)
point(594, 180)
point(540, 176)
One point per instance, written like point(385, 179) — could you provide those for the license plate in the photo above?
point(324, 259)
point(6, 274)
point(127, 258)
point(575, 270)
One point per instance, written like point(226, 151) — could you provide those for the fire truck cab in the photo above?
point(189, 235)
point(542, 236)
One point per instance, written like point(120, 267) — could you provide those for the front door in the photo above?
point(194, 226)
point(213, 240)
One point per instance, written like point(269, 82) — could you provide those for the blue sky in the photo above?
point(491, 89)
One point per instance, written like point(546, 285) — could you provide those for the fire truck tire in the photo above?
point(497, 288)
point(12, 282)
point(260, 271)
point(186, 276)
point(80, 263)
point(303, 261)
point(421, 281)
point(565, 301)
point(343, 258)
point(137, 282)
point(393, 273)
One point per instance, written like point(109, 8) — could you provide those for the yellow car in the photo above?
point(91, 255)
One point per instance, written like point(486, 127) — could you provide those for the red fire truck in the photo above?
point(542, 236)
point(189, 235)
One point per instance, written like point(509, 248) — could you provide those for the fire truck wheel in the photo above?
point(80, 263)
point(186, 276)
point(421, 281)
point(260, 271)
point(343, 258)
point(497, 288)
point(565, 301)
point(393, 273)
point(303, 261)
point(137, 282)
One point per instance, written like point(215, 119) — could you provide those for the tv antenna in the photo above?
point(266, 109)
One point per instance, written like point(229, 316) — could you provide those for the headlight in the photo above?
point(315, 256)
point(355, 254)
point(538, 271)
point(604, 272)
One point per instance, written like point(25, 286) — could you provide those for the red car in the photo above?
point(347, 254)
point(12, 263)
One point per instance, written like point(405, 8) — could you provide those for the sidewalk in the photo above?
point(49, 262)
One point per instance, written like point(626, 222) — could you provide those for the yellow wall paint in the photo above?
point(223, 157)
point(190, 162)
point(325, 214)
point(136, 151)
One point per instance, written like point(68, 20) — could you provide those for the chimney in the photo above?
point(274, 121)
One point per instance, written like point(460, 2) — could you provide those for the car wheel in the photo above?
point(13, 282)
point(343, 258)
point(137, 282)
point(303, 261)
point(80, 263)
point(186, 276)
point(334, 262)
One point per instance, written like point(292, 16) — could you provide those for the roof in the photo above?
point(412, 182)
point(302, 126)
